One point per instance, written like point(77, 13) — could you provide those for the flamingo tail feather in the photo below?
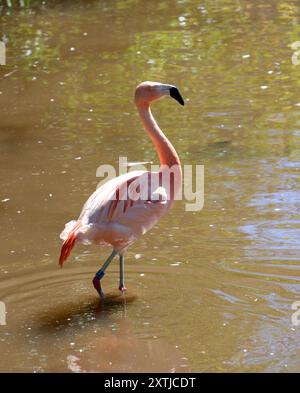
point(67, 246)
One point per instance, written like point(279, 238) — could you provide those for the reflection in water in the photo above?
point(116, 348)
point(60, 316)
point(215, 286)
point(125, 353)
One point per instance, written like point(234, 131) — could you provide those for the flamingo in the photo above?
point(126, 207)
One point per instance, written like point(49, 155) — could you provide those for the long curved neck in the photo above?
point(164, 148)
point(170, 164)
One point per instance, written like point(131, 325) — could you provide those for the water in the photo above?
point(207, 291)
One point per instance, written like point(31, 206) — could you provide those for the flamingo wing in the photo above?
point(121, 210)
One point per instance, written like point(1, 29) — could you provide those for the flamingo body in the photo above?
point(112, 215)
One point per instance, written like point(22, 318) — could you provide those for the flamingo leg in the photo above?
point(122, 286)
point(100, 273)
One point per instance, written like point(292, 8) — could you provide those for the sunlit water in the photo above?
point(207, 291)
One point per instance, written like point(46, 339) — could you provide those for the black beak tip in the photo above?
point(174, 93)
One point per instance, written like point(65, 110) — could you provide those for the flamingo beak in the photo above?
point(174, 93)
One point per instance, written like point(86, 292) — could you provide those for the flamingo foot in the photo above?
point(122, 288)
point(97, 286)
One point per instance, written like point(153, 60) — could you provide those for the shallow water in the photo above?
point(207, 291)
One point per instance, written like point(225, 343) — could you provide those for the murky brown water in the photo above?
point(207, 291)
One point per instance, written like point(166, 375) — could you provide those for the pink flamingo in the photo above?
point(126, 207)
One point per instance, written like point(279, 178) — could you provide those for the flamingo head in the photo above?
point(146, 92)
